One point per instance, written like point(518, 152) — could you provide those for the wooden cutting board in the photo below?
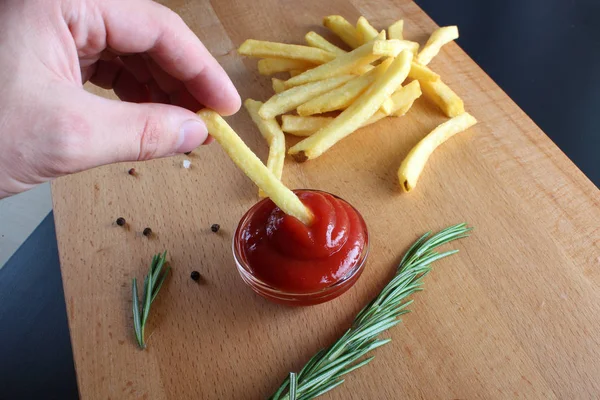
point(515, 314)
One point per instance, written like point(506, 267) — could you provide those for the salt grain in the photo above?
point(186, 164)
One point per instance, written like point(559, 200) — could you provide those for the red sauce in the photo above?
point(285, 254)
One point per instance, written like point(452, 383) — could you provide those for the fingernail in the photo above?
point(192, 134)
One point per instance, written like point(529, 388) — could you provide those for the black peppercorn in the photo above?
point(132, 172)
point(215, 228)
point(147, 232)
point(195, 275)
point(120, 221)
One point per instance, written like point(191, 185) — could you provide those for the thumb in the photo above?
point(121, 131)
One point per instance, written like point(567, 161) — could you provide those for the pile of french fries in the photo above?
point(381, 75)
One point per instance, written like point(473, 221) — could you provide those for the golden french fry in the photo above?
point(400, 102)
point(296, 72)
point(264, 49)
point(344, 95)
point(339, 98)
point(343, 29)
point(402, 98)
point(270, 66)
point(438, 38)
point(303, 126)
point(365, 30)
point(443, 97)
point(395, 30)
point(363, 69)
point(292, 98)
point(402, 111)
point(392, 48)
point(422, 73)
point(415, 161)
point(254, 169)
point(360, 111)
point(343, 64)
point(412, 46)
point(315, 40)
point(387, 107)
point(270, 130)
point(278, 85)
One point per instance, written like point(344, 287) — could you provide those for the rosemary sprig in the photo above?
point(152, 284)
point(324, 370)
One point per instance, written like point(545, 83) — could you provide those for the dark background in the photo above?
point(544, 54)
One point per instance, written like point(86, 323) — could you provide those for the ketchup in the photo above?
point(289, 256)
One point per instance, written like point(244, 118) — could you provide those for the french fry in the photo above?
point(363, 69)
point(344, 95)
point(292, 98)
point(254, 169)
point(387, 107)
point(264, 49)
point(270, 130)
point(395, 30)
point(402, 111)
point(365, 30)
point(415, 161)
point(343, 29)
point(393, 47)
point(270, 66)
point(422, 73)
point(296, 72)
point(443, 97)
point(357, 113)
point(402, 98)
point(400, 102)
point(303, 126)
point(278, 85)
point(438, 38)
point(315, 40)
point(343, 64)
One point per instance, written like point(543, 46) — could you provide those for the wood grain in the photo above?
point(514, 314)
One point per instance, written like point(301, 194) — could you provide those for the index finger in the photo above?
point(140, 26)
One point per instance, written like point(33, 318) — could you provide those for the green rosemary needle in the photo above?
point(324, 370)
point(152, 284)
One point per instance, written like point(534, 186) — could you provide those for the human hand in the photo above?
point(50, 126)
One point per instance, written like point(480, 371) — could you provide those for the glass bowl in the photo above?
point(293, 298)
